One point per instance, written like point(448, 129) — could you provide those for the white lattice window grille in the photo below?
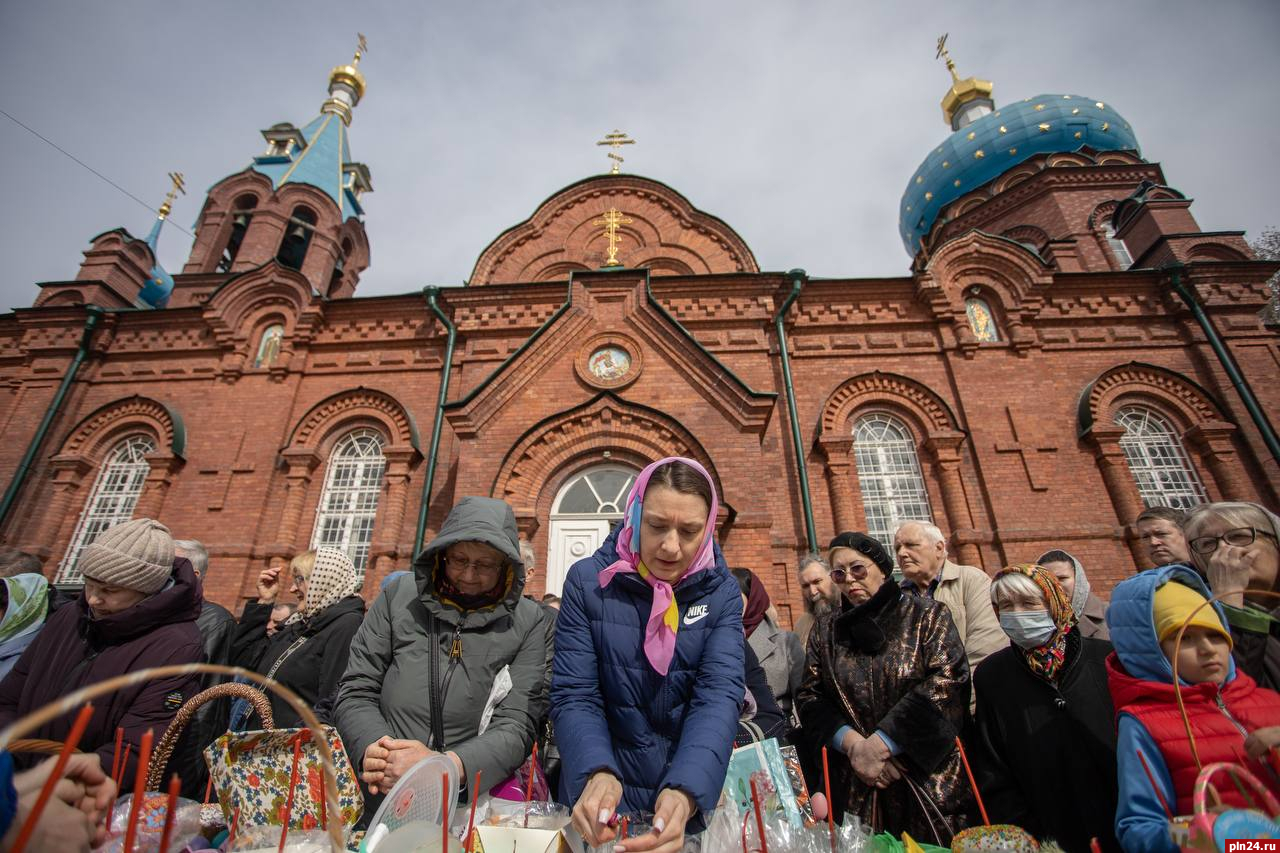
point(349, 503)
point(1157, 460)
point(598, 492)
point(115, 493)
point(893, 490)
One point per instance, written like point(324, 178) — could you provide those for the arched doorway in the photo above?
point(586, 507)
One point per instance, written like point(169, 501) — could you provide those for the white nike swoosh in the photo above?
point(698, 618)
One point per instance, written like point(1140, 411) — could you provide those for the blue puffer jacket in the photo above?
point(613, 712)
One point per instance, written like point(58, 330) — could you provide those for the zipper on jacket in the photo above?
point(455, 655)
point(1222, 706)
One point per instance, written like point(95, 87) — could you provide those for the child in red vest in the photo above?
point(1233, 719)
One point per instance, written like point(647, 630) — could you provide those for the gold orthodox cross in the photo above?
point(615, 141)
point(362, 47)
point(611, 220)
point(178, 187)
point(944, 54)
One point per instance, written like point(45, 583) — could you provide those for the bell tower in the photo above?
point(298, 203)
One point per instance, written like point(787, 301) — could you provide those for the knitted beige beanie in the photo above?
point(136, 555)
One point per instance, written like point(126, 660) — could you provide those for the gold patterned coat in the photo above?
point(894, 664)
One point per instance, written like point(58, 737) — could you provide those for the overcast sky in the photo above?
point(798, 123)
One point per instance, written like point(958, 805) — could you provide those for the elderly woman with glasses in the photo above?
point(1234, 544)
point(886, 691)
point(425, 660)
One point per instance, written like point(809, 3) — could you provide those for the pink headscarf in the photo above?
point(660, 631)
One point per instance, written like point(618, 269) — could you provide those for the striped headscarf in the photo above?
point(664, 616)
point(1046, 661)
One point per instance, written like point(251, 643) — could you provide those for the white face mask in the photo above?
point(1030, 629)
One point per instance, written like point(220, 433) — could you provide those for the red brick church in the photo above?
point(1032, 382)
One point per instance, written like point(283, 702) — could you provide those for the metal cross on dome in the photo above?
point(179, 186)
point(615, 141)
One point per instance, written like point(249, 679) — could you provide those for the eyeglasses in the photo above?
point(840, 574)
point(1238, 536)
point(462, 564)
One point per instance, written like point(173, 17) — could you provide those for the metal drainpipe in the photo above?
point(432, 294)
point(24, 465)
point(797, 283)
point(1228, 362)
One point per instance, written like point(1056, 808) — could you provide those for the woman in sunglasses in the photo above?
point(886, 684)
point(1234, 543)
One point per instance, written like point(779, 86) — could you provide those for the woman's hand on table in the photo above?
point(671, 814)
point(596, 807)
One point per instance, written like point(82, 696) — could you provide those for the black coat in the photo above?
point(1046, 755)
point(74, 650)
point(314, 668)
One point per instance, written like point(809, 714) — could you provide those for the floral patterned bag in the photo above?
point(251, 773)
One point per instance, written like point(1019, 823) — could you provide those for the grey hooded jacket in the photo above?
point(387, 686)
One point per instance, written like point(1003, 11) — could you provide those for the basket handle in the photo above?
point(1239, 774)
point(57, 708)
point(169, 741)
point(1177, 647)
point(37, 746)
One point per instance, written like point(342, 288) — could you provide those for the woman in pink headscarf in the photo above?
point(648, 676)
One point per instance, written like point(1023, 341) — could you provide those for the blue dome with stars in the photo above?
point(1000, 140)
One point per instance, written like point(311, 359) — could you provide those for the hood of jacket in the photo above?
point(472, 519)
point(1132, 624)
point(179, 601)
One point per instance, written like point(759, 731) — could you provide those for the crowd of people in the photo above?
point(659, 658)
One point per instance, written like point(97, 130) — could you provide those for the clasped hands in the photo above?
point(594, 813)
point(75, 816)
point(871, 760)
point(387, 759)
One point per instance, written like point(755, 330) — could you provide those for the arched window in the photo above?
point(1157, 461)
point(889, 475)
point(349, 502)
point(981, 320)
point(585, 508)
point(269, 345)
point(297, 237)
point(242, 214)
point(114, 495)
point(1118, 248)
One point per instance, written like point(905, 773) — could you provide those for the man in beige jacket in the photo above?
point(921, 550)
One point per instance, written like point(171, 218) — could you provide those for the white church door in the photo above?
point(584, 512)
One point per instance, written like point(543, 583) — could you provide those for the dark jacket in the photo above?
point(649, 731)
point(218, 630)
point(769, 720)
point(314, 668)
point(1255, 634)
point(1025, 724)
point(387, 688)
point(75, 650)
point(893, 664)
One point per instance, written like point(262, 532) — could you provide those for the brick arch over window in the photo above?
point(562, 445)
point(307, 452)
point(937, 429)
point(1191, 410)
point(83, 451)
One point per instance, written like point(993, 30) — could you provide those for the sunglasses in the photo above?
point(840, 574)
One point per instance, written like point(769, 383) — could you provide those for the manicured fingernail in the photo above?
point(603, 817)
point(659, 824)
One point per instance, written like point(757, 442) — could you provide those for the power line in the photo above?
point(67, 153)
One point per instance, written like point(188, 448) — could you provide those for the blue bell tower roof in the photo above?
point(998, 141)
point(323, 160)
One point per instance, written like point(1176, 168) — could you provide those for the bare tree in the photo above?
point(1267, 248)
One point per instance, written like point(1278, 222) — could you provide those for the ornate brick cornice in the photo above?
point(931, 414)
point(1192, 403)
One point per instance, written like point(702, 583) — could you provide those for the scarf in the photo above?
point(753, 612)
point(333, 578)
point(1080, 595)
point(1046, 661)
point(664, 615)
point(28, 602)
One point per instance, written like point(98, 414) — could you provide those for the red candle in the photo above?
point(755, 799)
point(59, 767)
point(170, 805)
point(528, 789)
point(444, 813)
point(471, 821)
point(826, 789)
point(139, 789)
point(964, 759)
point(293, 784)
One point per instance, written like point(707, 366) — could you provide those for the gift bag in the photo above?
point(252, 770)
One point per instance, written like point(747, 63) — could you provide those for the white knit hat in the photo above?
point(136, 555)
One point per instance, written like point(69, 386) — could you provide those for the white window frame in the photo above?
point(603, 501)
point(891, 466)
point(1123, 257)
point(1157, 460)
point(348, 507)
point(115, 493)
